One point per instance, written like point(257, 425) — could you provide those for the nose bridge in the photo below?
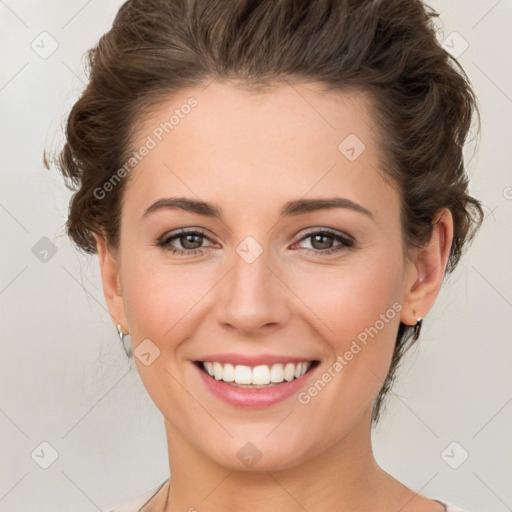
point(251, 296)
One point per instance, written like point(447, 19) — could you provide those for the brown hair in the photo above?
point(422, 98)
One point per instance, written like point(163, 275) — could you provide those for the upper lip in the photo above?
point(244, 359)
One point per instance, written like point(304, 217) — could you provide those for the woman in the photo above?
point(275, 191)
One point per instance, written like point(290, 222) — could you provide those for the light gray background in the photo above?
point(65, 379)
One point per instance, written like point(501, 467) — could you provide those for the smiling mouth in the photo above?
point(260, 376)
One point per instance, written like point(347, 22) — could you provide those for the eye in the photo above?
point(322, 241)
point(190, 241)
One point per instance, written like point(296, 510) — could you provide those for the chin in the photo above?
point(258, 453)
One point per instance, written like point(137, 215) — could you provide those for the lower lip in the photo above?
point(254, 398)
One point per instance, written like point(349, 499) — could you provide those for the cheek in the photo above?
point(356, 311)
point(160, 302)
point(355, 299)
point(358, 314)
point(159, 297)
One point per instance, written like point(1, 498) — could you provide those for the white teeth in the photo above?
point(258, 375)
point(229, 373)
point(277, 373)
point(261, 374)
point(289, 371)
point(209, 368)
point(243, 374)
point(217, 371)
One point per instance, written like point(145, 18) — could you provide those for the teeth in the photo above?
point(289, 371)
point(228, 374)
point(243, 374)
point(209, 368)
point(218, 371)
point(277, 373)
point(261, 375)
point(258, 375)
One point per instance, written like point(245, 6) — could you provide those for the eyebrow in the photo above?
point(290, 208)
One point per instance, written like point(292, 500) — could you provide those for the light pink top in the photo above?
point(135, 504)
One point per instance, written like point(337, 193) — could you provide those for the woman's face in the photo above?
point(270, 274)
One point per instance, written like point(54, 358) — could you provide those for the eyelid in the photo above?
point(320, 229)
point(345, 242)
point(174, 235)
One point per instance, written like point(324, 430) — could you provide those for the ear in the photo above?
point(109, 268)
point(426, 272)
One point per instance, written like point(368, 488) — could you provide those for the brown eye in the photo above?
point(323, 242)
point(189, 242)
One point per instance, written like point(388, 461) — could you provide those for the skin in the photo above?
point(250, 153)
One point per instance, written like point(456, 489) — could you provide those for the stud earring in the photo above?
point(125, 341)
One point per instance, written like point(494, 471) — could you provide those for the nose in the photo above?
point(252, 299)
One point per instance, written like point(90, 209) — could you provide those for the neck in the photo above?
point(344, 476)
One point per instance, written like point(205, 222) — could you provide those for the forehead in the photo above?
point(232, 113)
point(226, 143)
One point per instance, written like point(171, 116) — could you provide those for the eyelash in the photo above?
point(346, 242)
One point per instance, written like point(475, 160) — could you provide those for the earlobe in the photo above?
point(109, 269)
point(427, 271)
